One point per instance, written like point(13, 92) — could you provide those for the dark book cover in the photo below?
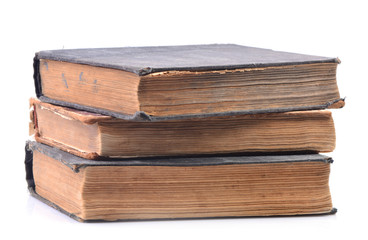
point(146, 60)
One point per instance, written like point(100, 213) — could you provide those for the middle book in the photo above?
point(95, 136)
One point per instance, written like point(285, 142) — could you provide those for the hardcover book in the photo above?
point(169, 82)
point(95, 136)
point(176, 188)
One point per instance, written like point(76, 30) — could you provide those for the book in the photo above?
point(95, 136)
point(177, 188)
point(185, 81)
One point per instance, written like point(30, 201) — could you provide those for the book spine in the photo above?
point(37, 76)
point(28, 161)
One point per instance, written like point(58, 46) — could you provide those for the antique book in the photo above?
point(185, 81)
point(95, 136)
point(177, 188)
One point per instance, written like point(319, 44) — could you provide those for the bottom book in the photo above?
point(179, 188)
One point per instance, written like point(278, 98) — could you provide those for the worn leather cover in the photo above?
point(146, 60)
point(75, 163)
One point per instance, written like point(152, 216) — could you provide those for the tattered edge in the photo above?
point(66, 148)
point(30, 146)
point(82, 116)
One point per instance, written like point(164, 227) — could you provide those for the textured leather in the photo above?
point(75, 162)
point(145, 60)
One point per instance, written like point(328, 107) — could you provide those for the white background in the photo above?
point(326, 28)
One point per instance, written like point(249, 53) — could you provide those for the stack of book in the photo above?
point(176, 132)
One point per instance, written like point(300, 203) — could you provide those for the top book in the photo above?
point(170, 82)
